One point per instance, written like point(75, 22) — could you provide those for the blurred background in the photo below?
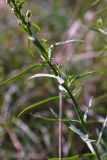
point(30, 137)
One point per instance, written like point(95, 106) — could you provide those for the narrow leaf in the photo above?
point(89, 155)
point(21, 74)
point(61, 43)
point(84, 75)
point(102, 31)
point(64, 42)
point(35, 26)
point(87, 74)
point(102, 71)
point(84, 137)
point(40, 103)
point(55, 119)
point(86, 113)
point(60, 80)
point(54, 113)
point(101, 132)
point(29, 48)
point(99, 30)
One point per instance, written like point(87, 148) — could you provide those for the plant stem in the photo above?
point(60, 127)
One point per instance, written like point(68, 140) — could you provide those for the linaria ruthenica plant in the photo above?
point(64, 81)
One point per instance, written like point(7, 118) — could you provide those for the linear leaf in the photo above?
point(21, 74)
point(55, 119)
point(102, 71)
point(84, 137)
point(88, 108)
point(99, 30)
point(87, 74)
point(60, 80)
point(66, 42)
point(35, 26)
point(29, 48)
point(101, 132)
point(84, 75)
point(62, 43)
point(89, 155)
point(39, 103)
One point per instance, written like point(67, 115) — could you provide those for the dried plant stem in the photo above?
point(60, 127)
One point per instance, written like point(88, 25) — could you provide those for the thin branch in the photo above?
point(60, 127)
